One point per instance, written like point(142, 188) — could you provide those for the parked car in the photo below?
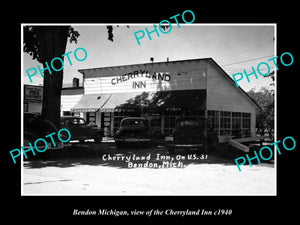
point(191, 134)
point(80, 130)
point(133, 130)
point(35, 127)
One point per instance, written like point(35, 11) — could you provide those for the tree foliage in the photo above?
point(33, 39)
point(265, 118)
point(44, 43)
point(110, 33)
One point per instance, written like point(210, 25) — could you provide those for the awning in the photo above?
point(131, 101)
point(91, 102)
point(165, 99)
point(125, 101)
point(181, 99)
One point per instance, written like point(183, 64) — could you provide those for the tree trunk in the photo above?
point(53, 41)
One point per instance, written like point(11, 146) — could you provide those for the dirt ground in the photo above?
point(101, 169)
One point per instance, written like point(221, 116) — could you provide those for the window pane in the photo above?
point(213, 119)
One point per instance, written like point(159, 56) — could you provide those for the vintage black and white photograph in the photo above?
point(164, 109)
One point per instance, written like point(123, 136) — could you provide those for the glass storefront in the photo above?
point(236, 124)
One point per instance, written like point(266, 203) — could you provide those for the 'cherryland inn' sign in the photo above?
point(140, 74)
point(156, 77)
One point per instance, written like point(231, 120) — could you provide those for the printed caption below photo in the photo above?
point(153, 212)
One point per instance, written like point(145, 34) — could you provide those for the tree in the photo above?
point(44, 43)
point(265, 118)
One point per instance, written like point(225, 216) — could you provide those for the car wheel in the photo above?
point(98, 138)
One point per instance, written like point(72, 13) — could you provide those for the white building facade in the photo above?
point(161, 92)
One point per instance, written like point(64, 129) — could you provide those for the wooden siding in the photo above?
point(223, 96)
point(180, 76)
point(68, 101)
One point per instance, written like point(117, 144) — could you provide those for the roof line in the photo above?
point(233, 83)
point(176, 61)
point(138, 64)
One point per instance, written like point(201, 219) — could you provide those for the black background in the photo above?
point(254, 209)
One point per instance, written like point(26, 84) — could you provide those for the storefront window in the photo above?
point(155, 123)
point(169, 125)
point(236, 124)
point(91, 117)
point(118, 116)
point(225, 123)
point(106, 120)
point(196, 113)
point(169, 119)
point(246, 124)
point(213, 120)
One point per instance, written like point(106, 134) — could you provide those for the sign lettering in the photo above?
point(141, 73)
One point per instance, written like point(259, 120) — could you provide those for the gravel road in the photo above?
point(108, 172)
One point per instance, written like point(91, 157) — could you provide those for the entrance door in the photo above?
point(106, 122)
point(91, 117)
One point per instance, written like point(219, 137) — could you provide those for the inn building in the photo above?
point(161, 92)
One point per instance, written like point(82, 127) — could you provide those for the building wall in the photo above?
point(222, 95)
point(69, 97)
point(33, 107)
point(149, 78)
point(146, 77)
point(68, 101)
